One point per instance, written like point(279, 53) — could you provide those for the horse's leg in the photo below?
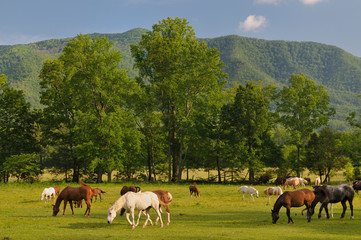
point(147, 219)
point(252, 197)
point(319, 213)
point(138, 217)
point(127, 217)
point(168, 213)
point(289, 215)
point(71, 206)
point(132, 212)
point(344, 209)
point(269, 199)
point(326, 211)
point(88, 206)
point(351, 207)
point(331, 209)
point(65, 202)
point(159, 216)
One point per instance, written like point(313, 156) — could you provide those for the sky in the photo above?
point(332, 22)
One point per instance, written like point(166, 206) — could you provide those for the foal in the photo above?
point(193, 189)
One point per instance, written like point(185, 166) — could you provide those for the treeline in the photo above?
point(174, 115)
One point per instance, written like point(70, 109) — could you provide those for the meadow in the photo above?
point(219, 213)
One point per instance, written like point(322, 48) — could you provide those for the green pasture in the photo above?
point(219, 213)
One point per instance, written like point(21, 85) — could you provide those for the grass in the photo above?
point(219, 213)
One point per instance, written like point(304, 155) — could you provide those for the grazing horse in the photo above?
point(57, 190)
point(135, 201)
point(248, 190)
point(96, 192)
point(295, 182)
point(165, 198)
point(193, 189)
point(126, 189)
point(70, 194)
point(293, 199)
point(277, 191)
point(48, 193)
point(333, 194)
point(280, 180)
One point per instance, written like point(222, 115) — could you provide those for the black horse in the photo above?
point(333, 194)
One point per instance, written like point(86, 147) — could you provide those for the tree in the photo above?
point(303, 107)
point(23, 166)
point(16, 124)
point(180, 70)
point(324, 153)
point(87, 94)
point(246, 122)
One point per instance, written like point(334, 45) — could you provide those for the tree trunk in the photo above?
point(298, 161)
point(218, 166)
point(110, 176)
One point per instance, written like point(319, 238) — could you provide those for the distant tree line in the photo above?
point(175, 115)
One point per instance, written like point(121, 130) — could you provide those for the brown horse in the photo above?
point(57, 190)
point(126, 189)
point(96, 192)
point(70, 194)
point(193, 189)
point(165, 198)
point(293, 199)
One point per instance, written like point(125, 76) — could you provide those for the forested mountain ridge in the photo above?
point(244, 58)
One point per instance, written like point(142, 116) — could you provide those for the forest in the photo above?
point(150, 105)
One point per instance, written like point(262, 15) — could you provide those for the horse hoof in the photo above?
point(351, 217)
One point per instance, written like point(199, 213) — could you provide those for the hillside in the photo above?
point(245, 59)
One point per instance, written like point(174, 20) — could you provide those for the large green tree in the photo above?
point(180, 70)
point(246, 122)
point(86, 93)
point(303, 107)
point(16, 125)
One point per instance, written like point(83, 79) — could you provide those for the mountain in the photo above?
point(244, 58)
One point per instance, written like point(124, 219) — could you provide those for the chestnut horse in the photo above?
point(57, 190)
point(165, 198)
point(293, 199)
point(70, 194)
point(193, 189)
point(126, 189)
point(96, 192)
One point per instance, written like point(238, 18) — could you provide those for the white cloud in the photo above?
point(274, 2)
point(311, 2)
point(252, 23)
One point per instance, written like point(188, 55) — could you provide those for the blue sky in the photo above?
point(333, 22)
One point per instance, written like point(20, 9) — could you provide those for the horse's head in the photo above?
point(275, 216)
point(257, 194)
point(111, 215)
point(55, 210)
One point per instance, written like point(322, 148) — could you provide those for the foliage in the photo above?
point(302, 108)
point(23, 166)
point(180, 71)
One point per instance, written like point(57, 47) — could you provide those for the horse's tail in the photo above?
point(82, 183)
point(102, 191)
point(137, 189)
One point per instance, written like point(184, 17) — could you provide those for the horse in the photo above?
point(96, 192)
point(126, 189)
point(48, 193)
point(165, 198)
point(57, 190)
point(193, 189)
point(295, 182)
point(280, 180)
point(303, 182)
point(317, 181)
point(248, 190)
point(70, 194)
point(277, 191)
point(135, 201)
point(333, 194)
point(293, 199)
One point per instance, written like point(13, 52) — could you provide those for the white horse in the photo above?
point(48, 193)
point(277, 191)
point(136, 201)
point(248, 190)
point(317, 181)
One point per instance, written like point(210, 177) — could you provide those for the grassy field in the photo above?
point(219, 213)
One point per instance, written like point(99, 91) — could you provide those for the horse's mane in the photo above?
point(118, 204)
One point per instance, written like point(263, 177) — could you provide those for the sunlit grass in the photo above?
point(219, 213)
